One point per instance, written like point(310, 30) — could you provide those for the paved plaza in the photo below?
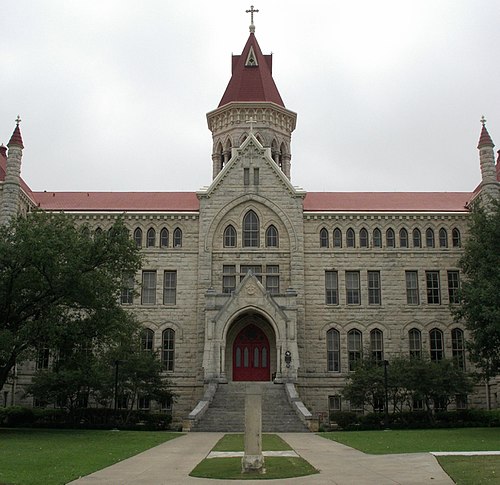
point(171, 462)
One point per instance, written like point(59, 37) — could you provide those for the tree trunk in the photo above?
point(5, 369)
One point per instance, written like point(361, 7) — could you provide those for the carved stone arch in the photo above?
point(409, 325)
point(260, 139)
point(228, 143)
point(152, 325)
point(328, 326)
point(174, 326)
point(254, 200)
point(354, 325)
point(242, 139)
point(377, 326)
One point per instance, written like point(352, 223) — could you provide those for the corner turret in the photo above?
point(490, 186)
point(12, 184)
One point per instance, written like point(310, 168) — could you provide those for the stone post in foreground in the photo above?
point(253, 460)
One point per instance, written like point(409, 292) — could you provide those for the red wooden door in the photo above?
point(251, 355)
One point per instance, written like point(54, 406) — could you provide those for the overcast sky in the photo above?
point(113, 94)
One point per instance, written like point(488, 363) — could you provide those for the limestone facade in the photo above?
point(323, 279)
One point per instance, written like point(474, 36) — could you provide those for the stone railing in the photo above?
point(201, 408)
point(299, 407)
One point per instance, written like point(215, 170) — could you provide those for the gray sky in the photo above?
point(113, 93)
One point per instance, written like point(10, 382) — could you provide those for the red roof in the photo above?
point(386, 201)
point(251, 82)
point(314, 201)
point(117, 201)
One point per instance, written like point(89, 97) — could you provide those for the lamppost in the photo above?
point(386, 404)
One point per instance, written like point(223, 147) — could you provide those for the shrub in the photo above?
point(345, 419)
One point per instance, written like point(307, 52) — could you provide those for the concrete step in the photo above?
point(227, 410)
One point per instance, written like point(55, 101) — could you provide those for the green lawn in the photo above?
point(230, 468)
point(50, 457)
point(235, 442)
point(464, 470)
point(472, 470)
point(415, 441)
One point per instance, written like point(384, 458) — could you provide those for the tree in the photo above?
point(60, 286)
point(479, 304)
point(433, 382)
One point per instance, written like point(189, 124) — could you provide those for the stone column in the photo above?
point(253, 460)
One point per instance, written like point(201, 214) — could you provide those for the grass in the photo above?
point(50, 457)
point(235, 442)
point(416, 441)
point(463, 470)
point(472, 470)
point(230, 468)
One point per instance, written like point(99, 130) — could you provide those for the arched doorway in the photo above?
point(251, 359)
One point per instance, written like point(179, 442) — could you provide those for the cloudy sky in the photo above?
point(113, 93)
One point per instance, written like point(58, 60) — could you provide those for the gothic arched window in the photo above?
point(168, 348)
point(177, 238)
point(390, 238)
point(147, 339)
point(403, 238)
point(251, 230)
point(455, 235)
point(417, 238)
point(230, 237)
point(272, 239)
point(323, 238)
point(337, 238)
point(164, 238)
point(443, 238)
point(377, 238)
point(138, 237)
point(350, 238)
point(333, 350)
point(150, 238)
point(363, 238)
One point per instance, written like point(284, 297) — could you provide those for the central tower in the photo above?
point(251, 101)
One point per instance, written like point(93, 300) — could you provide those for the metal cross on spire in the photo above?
point(18, 120)
point(483, 120)
point(251, 12)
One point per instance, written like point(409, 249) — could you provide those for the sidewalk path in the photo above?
point(171, 462)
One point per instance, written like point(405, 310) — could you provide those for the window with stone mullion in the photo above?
point(374, 288)
point(352, 288)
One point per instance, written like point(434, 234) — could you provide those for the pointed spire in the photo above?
point(485, 138)
point(252, 79)
point(16, 140)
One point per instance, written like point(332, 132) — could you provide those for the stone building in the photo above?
point(254, 279)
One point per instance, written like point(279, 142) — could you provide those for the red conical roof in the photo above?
point(252, 78)
point(485, 138)
point(16, 139)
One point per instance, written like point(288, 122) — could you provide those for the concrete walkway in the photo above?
point(171, 462)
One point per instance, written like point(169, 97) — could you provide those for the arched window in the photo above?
point(436, 345)
point(323, 238)
point(458, 347)
point(337, 238)
point(168, 349)
point(377, 345)
point(251, 230)
point(220, 155)
point(177, 239)
point(98, 231)
point(354, 347)
point(417, 238)
point(443, 238)
point(377, 238)
point(457, 241)
point(403, 238)
point(363, 238)
point(151, 238)
point(147, 339)
point(272, 239)
point(164, 238)
point(415, 343)
point(333, 350)
point(390, 238)
point(350, 238)
point(429, 238)
point(230, 237)
point(138, 237)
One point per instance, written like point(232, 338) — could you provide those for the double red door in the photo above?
point(251, 355)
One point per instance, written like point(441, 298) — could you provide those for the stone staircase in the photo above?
point(227, 410)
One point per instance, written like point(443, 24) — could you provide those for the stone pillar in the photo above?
point(286, 158)
point(215, 164)
point(253, 460)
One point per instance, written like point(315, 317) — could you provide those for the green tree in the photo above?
point(480, 293)
point(60, 286)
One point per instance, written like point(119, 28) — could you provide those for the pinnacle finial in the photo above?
point(18, 120)
point(251, 12)
point(483, 120)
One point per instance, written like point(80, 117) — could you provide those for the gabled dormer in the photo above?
point(251, 98)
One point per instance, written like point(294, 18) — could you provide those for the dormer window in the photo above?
point(251, 59)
